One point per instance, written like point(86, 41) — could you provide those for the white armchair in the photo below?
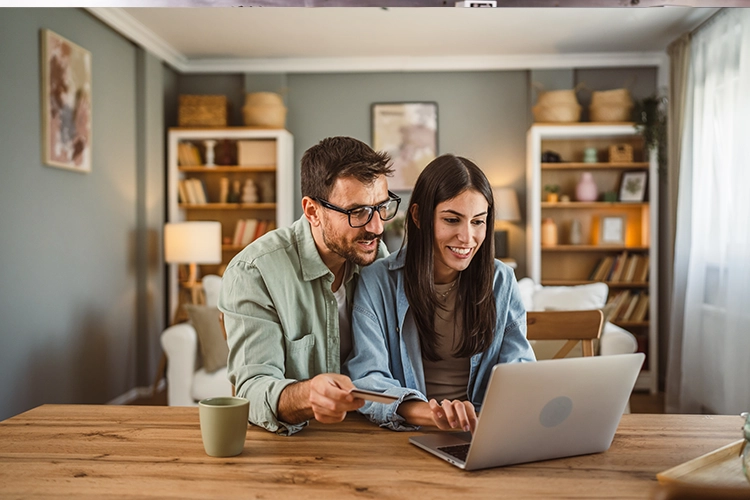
point(614, 340)
point(187, 383)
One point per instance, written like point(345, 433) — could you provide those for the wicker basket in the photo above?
point(611, 106)
point(620, 153)
point(202, 111)
point(557, 106)
point(264, 109)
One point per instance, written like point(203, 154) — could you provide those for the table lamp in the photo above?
point(506, 209)
point(192, 243)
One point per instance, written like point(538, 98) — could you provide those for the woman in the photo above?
point(430, 321)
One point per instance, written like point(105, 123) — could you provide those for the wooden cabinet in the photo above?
point(617, 242)
point(263, 157)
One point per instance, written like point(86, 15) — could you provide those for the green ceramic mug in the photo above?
point(223, 425)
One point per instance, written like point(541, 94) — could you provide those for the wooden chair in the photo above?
point(224, 332)
point(573, 326)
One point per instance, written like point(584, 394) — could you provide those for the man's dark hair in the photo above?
point(443, 179)
point(336, 157)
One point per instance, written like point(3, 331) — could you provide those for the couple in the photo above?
point(312, 310)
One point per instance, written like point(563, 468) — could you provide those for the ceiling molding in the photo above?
point(129, 27)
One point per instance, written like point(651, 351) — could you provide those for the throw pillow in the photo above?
point(213, 346)
point(571, 298)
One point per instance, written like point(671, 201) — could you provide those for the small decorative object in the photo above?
point(565, 199)
point(558, 106)
point(553, 192)
point(267, 189)
point(633, 186)
point(264, 109)
point(66, 103)
point(234, 195)
point(210, 152)
point(586, 189)
point(549, 232)
point(575, 237)
point(612, 230)
point(202, 111)
point(620, 153)
point(249, 192)
point(224, 190)
point(611, 106)
point(610, 196)
point(589, 155)
point(551, 157)
point(226, 152)
point(746, 447)
point(408, 133)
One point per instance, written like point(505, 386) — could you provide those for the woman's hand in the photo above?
point(453, 415)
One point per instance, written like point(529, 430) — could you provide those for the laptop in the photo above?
point(543, 410)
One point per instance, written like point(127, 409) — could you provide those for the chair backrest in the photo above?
point(573, 326)
point(224, 332)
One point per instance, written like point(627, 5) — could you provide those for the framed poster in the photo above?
point(408, 133)
point(66, 103)
point(612, 230)
point(633, 186)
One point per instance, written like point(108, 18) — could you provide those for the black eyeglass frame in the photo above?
point(373, 208)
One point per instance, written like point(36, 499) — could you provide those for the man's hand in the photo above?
point(325, 398)
point(330, 398)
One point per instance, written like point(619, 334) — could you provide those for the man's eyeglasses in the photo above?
point(361, 216)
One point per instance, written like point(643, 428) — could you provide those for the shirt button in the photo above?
point(398, 330)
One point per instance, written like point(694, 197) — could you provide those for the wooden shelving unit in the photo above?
point(275, 204)
point(565, 264)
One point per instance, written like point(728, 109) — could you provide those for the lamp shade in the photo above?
point(196, 242)
point(506, 204)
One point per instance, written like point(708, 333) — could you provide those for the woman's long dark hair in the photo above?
point(446, 177)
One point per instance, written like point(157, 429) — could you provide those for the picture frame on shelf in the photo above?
point(612, 230)
point(633, 186)
point(407, 131)
point(66, 103)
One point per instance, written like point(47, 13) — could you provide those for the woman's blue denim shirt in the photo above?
point(387, 357)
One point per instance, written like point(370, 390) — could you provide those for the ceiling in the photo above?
point(296, 39)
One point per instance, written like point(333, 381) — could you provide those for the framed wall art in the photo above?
point(633, 186)
point(66, 103)
point(408, 133)
point(612, 230)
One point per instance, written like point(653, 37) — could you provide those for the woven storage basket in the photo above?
point(611, 106)
point(264, 109)
point(620, 153)
point(202, 111)
point(557, 106)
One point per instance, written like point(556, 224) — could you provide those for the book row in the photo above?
point(625, 268)
point(248, 230)
point(192, 192)
point(628, 306)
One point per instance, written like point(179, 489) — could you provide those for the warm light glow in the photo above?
point(506, 204)
point(196, 242)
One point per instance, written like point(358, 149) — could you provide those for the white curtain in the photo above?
point(711, 291)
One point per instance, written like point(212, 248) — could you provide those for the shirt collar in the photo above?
point(311, 263)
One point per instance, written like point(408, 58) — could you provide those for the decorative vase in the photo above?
point(549, 232)
point(586, 189)
point(575, 237)
point(589, 155)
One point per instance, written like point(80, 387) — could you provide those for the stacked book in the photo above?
point(188, 155)
point(628, 306)
point(248, 230)
point(192, 192)
point(623, 268)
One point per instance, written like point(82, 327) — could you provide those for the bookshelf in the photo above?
point(627, 266)
point(196, 191)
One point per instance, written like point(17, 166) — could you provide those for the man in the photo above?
point(286, 297)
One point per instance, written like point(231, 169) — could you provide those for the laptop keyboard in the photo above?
point(460, 451)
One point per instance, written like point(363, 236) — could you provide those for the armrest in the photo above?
point(180, 344)
point(616, 340)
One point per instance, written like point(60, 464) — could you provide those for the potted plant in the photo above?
point(553, 192)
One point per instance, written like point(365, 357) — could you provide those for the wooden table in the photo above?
point(143, 451)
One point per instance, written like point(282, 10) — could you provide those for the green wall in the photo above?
point(75, 323)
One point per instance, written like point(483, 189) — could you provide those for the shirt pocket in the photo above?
point(300, 357)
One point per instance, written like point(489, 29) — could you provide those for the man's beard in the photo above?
point(347, 250)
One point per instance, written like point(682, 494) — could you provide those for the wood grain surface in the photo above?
point(146, 451)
